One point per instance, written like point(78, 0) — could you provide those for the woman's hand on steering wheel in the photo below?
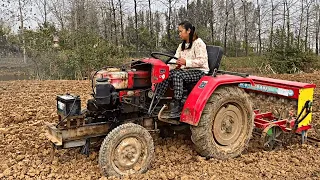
point(164, 54)
point(181, 61)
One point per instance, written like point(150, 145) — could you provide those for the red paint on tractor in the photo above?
point(202, 91)
point(131, 93)
point(264, 120)
point(119, 79)
point(138, 79)
point(199, 95)
point(121, 94)
point(160, 70)
point(278, 83)
point(130, 79)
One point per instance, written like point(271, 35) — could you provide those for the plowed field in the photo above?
point(25, 153)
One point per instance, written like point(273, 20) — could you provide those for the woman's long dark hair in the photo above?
point(192, 36)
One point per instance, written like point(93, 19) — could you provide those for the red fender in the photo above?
point(202, 91)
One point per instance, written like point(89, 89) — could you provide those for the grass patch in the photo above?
point(259, 65)
point(250, 64)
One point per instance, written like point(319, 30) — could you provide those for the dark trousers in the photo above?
point(178, 77)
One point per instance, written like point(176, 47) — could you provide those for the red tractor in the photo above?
point(221, 110)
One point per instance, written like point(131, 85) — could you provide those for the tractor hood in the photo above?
point(141, 74)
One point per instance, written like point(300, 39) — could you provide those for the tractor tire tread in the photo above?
point(202, 135)
point(112, 140)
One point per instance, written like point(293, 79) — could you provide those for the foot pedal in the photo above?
point(170, 121)
point(165, 116)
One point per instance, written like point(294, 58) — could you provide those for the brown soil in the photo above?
point(25, 106)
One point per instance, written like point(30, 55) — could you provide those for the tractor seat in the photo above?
point(214, 58)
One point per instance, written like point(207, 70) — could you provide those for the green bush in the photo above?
point(79, 53)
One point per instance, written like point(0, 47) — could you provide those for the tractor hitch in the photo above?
point(74, 137)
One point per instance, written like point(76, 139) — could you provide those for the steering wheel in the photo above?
point(164, 54)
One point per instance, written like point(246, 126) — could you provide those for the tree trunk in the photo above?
point(157, 26)
point(272, 24)
point(283, 28)
point(307, 27)
point(108, 23)
point(121, 21)
point(288, 24)
point(81, 14)
point(211, 23)
point(136, 24)
point(300, 25)
point(226, 27)
point(22, 32)
point(245, 26)
point(104, 22)
point(45, 12)
point(114, 22)
point(150, 19)
point(169, 20)
point(235, 41)
point(187, 5)
point(259, 28)
point(317, 28)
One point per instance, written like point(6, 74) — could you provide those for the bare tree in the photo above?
point(259, 27)
point(226, 25)
point(211, 20)
point(22, 5)
point(234, 27)
point(157, 26)
point(121, 18)
point(78, 14)
point(301, 22)
point(187, 5)
point(317, 22)
point(169, 18)
point(274, 19)
point(170, 4)
point(150, 18)
point(114, 22)
point(104, 16)
point(136, 23)
point(286, 29)
point(245, 14)
point(229, 23)
point(59, 11)
point(308, 5)
point(43, 7)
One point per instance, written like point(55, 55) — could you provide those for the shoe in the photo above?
point(175, 107)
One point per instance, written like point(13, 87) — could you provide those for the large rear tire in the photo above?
point(226, 124)
point(127, 149)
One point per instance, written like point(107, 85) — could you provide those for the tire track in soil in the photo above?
point(25, 106)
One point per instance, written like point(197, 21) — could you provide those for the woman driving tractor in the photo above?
point(191, 63)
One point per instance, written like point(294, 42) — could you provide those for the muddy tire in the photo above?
point(226, 124)
point(127, 149)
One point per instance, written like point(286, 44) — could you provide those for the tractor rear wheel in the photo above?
point(127, 149)
point(226, 124)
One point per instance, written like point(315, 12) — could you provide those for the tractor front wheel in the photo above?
point(226, 124)
point(127, 149)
